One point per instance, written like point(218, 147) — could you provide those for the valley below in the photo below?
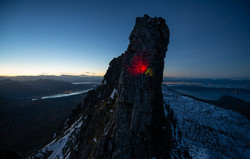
point(27, 121)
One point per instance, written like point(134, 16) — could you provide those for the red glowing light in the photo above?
point(138, 65)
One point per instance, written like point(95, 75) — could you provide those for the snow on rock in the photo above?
point(57, 149)
point(76, 147)
point(104, 82)
point(113, 94)
point(206, 130)
point(95, 140)
point(68, 155)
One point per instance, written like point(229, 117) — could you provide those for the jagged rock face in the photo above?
point(129, 122)
point(139, 101)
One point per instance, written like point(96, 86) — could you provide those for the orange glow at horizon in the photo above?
point(39, 72)
point(51, 74)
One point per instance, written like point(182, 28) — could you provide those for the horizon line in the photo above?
point(50, 75)
point(98, 75)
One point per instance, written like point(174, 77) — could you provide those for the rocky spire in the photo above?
point(139, 102)
point(123, 117)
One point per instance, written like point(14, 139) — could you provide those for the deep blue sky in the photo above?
point(208, 38)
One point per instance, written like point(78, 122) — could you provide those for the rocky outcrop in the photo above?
point(123, 117)
point(125, 114)
point(139, 102)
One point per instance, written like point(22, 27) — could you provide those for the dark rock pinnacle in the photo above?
point(124, 116)
point(140, 102)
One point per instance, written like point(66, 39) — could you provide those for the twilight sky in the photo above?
point(208, 39)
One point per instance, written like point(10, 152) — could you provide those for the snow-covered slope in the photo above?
point(59, 148)
point(208, 131)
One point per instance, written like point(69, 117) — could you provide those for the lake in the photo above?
point(60, 95)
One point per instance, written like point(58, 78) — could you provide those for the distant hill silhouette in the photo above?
point(47, 84)
point(17, 90)
point(207, 81)
point(66, 78)
point(26, 89)
point(235, 104)
point(227, 102)
point(211, 89)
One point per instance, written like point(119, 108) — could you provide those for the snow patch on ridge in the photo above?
point(56, 148)
point(113, 94)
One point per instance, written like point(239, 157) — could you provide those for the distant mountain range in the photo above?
point(27, 89)
point(66, 78)
point(235, 104)
point(225, 101)
point(245, 82)
point(212, 89)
